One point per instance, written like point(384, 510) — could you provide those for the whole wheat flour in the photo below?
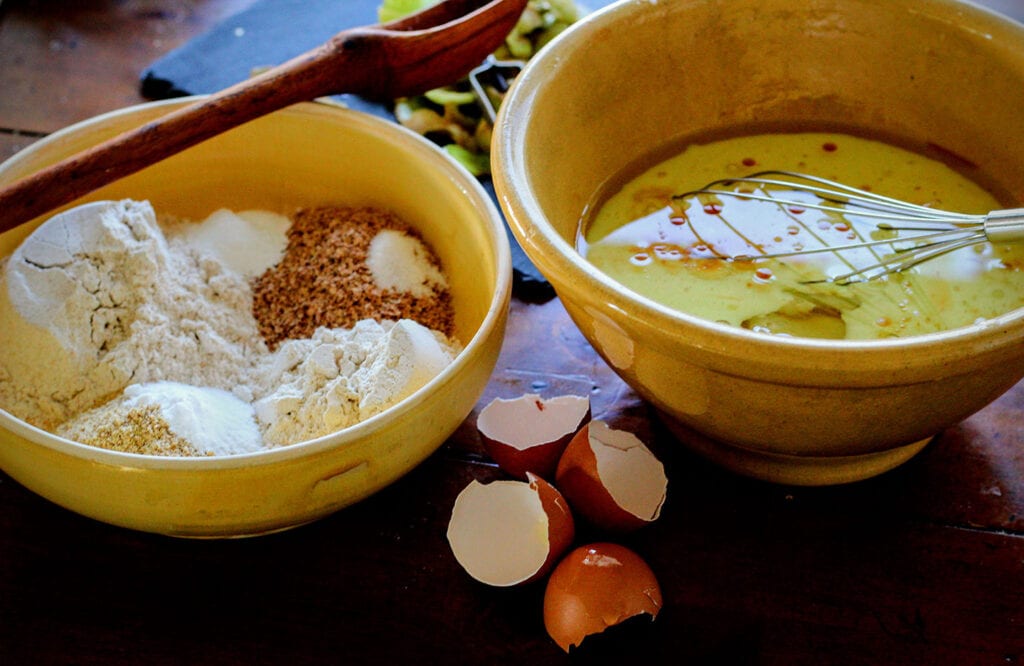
point(90, 307)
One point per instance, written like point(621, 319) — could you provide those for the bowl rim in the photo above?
point(436, 158)
point(532, 227)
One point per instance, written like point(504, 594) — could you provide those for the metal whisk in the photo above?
point(907, 234)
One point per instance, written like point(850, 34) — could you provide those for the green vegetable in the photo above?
point(477, 164)
point(451, 116)
point(448, 96)
point(396, 9)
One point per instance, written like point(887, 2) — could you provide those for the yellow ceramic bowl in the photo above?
point(309, 154)
point(628, 79)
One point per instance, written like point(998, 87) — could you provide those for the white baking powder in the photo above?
point(247, 242)
point(212, 420)
point(401, 262)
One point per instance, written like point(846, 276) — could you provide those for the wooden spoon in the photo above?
point(432, 48)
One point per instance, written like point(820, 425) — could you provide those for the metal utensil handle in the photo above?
point(1005, 226)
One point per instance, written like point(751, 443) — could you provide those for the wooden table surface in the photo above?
point(922, 565)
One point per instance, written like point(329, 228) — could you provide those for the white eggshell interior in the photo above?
point(633, 476)
point(530, 420)
point(499, 531)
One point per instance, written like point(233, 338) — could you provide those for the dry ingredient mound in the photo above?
point(91, 303)
point(176, 419)
point(140, 430)
point(342, 376)
point(331, 276)
point(145, 337)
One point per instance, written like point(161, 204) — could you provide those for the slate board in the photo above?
point(271, 32)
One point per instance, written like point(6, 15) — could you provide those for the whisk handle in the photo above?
point(1005, 226)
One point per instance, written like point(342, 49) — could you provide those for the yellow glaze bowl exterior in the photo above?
point(627, 80)
point(307, 155)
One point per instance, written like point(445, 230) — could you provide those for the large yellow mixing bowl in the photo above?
point(307, 155)
point(624, 82)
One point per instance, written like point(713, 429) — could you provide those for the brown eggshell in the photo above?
point(611, 479)
point(595, 587)
point(509, 532)
point(561, 527)
point(529, 433)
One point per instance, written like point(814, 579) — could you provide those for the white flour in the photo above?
point(343, 376)
point(105, 303)
point(104, 300)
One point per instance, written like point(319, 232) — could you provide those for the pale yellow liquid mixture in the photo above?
point(667, 253)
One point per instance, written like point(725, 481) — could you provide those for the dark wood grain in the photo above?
point(12, 142)
point(922, 565)
point(61, 62)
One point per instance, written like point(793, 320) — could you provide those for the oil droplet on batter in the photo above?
point(883, 321)
point(667, 253)
point(792, 230)
point(640, 259)
point(713, 208)
point(763, 275)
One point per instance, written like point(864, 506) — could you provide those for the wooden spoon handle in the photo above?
point(332, 66)
point(400, 58)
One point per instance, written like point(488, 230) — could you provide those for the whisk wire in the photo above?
point(837, 207)
point(901, 260)
point(933, 232)
point(839, 192)
point(837, 198)
point(938, 235)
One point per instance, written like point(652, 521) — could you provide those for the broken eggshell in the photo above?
point(529, 433)
point(510, 532)
point(595, 587)
point(611, 479)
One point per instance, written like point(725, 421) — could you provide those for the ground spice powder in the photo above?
point(323, 278)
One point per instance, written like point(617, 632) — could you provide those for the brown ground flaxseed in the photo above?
point(141, 431)
point(323, 279)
